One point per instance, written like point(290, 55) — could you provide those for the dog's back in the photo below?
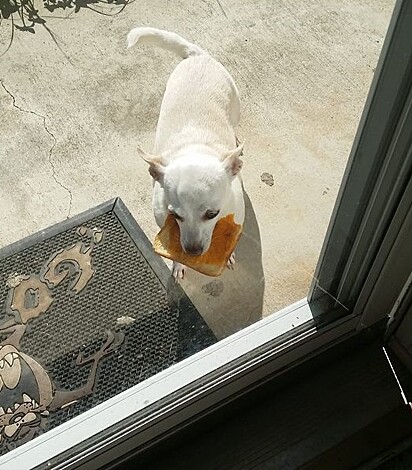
point(201, 103)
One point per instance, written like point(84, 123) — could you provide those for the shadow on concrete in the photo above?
point(234, 300)
point(22, 15)
point(52, 5)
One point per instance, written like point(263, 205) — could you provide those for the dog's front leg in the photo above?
point(178, 271)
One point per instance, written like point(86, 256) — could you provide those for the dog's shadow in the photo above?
point(235, 299)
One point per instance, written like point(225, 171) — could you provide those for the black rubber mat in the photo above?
point(87, 311)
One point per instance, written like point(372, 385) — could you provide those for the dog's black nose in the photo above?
point(194, 249)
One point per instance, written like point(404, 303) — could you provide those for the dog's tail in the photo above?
point(165, 39)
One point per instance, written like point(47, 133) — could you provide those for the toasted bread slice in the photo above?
point(212, 263)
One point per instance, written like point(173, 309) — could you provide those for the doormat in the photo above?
point(87, 310)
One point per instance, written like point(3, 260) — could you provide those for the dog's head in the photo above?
point(197, 191)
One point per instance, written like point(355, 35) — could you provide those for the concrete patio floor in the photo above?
point(73, 117)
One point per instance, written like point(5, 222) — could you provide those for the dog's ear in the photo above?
point(156, 165)
point(231, 161)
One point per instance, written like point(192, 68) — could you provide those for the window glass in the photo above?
point(85, 314)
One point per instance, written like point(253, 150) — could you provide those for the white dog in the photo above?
point(196, 161)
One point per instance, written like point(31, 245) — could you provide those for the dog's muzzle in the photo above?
point(194, 249)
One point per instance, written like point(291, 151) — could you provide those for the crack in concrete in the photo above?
point(223, 10)
point(52, 165)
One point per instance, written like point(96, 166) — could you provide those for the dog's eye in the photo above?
point(211, 214)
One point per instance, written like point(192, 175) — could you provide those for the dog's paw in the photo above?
point(178, 271)
point(231, 262)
